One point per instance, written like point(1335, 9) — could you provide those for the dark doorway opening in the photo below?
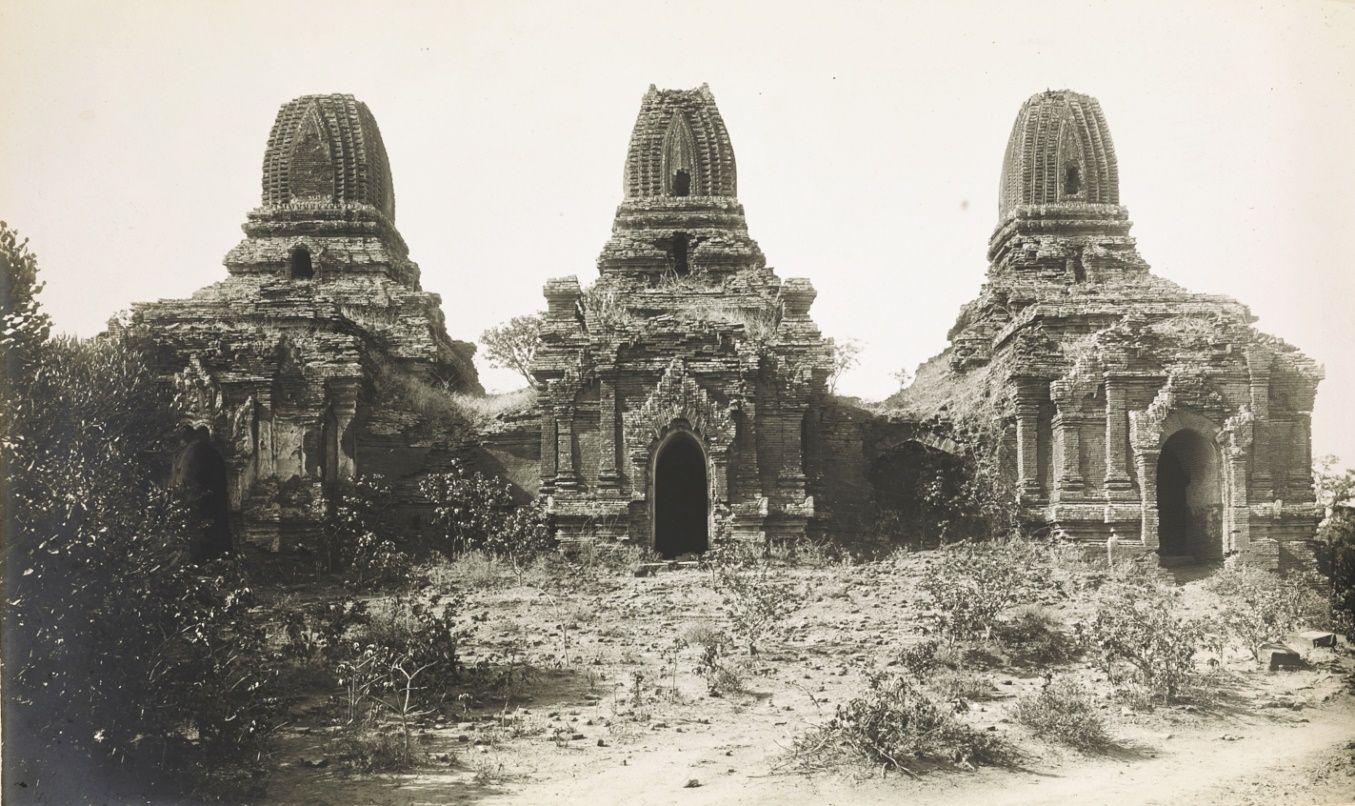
point(204, 483)
point(300, 266)
point(680, 248)
point(681, 498)
point(1187, 498)
point(682, 183)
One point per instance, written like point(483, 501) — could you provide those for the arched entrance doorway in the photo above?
point(681, 497)
point(1188, 503)
point(203, 479)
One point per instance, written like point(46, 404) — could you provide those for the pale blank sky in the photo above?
point(869, 139)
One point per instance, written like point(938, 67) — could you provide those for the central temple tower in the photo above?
point(676, 387)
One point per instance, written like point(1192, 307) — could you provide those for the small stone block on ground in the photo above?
point(1317, 638)
point(1278, 657)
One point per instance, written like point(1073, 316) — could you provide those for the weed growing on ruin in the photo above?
point(1064, 711)
point(603, 309)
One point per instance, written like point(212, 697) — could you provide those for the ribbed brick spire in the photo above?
point(1059, 152)
point(680, 147)
point(327, 149)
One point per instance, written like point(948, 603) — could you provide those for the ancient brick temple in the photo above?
point(317, 357)
point(1133, 405)
point(675, 388)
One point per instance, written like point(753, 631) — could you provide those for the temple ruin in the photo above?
point(676, 387)
point(1132, 405)
point(681, 396)
point(314, 360)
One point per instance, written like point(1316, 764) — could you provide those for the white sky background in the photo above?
point(869, 139)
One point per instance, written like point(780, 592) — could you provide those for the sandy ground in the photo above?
point(582, 731)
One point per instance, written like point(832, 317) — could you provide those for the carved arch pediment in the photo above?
point(197, 397)
point(678, 396)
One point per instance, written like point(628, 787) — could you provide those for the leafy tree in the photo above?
point(361, 534)
point(124, 661)
point(513, 344)
point(475, 511)
point(1336, 540)
point(846, 355)
point(24, 327)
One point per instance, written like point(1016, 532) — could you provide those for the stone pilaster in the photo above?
point(548, 445)
point(1068, 415)
point(1145, 464)
point(1145, 437)
point(1117, 481)
point(608, 477)
point(1237, 525)
point(1237, 436)
point(566, 477)
point(1028, 396)
point(1300, 487)
point(345, 409)
point(1258, 370)
point(792, 476)
point(266, 463)
point(746, 476)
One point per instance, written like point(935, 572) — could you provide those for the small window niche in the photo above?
point(299, 264)
point(682, 183)
point(1072, 179)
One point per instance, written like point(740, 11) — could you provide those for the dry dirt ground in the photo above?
point(610, 713)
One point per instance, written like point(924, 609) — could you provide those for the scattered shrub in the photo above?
point(120, 651)
point(318, 634)
point(713, 645)
point(1140, 638)
point(757, 599)
point(1036, 635)
point(1064, 711)
point(1260, 606)
point(475, 511)
point(893, 723)
point(361, 534)
point(1336, 561)
point(971, 583)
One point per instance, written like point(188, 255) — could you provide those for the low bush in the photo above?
point(362, 538)
point(1336, 561)
point(476, 511)
point(893, 724)
point(712, 646)
point(1035, 635)
point(1259, 606)
point(1141, 639)
point(971, 583)
point(757, 598)
point(1064, 711)
point(123, 656)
